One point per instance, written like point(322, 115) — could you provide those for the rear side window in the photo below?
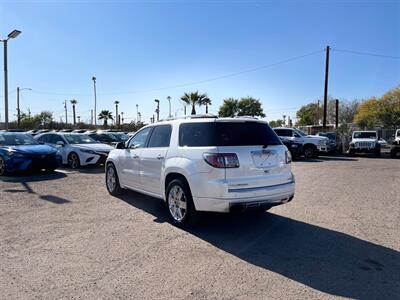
point(227, 134)
point(44, 138)
point(160, 137)
point(284, 132)
point(197, 134)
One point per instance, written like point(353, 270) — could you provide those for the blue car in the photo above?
point(20, 152)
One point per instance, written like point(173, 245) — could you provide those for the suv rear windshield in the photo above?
point(227, 134)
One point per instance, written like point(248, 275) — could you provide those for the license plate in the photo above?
point(264, 158)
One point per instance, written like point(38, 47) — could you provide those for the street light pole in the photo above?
point(169, 102)
point(13, 34)
point(5, 86)
point(137, 113)
point(95, 100)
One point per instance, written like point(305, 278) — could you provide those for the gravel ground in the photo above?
point(63, 236)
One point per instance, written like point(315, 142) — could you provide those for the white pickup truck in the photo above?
point(395, 148)
point(312, 145)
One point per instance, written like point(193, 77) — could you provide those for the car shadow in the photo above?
point(323, 259)
point(326, 158)
point(27, 189)
point(86, 169)
point(33, 176)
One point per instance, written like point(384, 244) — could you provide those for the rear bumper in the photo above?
point(246, 198)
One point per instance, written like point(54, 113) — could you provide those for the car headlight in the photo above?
point(294, 146)
point(14, 154)
point(87, 151)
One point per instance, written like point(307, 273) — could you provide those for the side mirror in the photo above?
point(60, 143)
point(120, 145)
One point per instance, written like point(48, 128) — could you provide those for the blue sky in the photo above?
point(134, 48)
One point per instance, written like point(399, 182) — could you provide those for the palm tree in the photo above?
point(105, 115)
point(74, 102)
point(116, 113)
point(194, 98)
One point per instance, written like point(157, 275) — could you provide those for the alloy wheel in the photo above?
point(177, 203)
point(73, 161)
point(2, 166)
point(111, 179)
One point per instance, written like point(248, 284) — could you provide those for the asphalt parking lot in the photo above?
point(63, 236)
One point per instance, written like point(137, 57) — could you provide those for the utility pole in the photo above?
point(66, 112)
point(122, 117)
point(326, 87)
point(95, 100)
point(18, 110)
point(140, 117)
point(169, 102)
point(318, 115)
point(91, 117)
point(79, 119)
point(337, 113)
point(137, 113)
point(284, 120)
point(157, 109)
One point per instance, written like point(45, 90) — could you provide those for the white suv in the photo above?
point(204, 164)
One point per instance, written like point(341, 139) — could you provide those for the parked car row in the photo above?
point(48, 150)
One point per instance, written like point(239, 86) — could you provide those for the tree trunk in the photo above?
point(206, 108)
point(105, 123)
point(193, 109)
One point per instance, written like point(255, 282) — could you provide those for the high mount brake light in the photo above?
point(222, 160)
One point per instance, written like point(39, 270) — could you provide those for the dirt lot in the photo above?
point(63, 236)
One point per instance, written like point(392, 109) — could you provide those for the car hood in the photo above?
point(32, 149)
point(364, 140)
point(317, 138)
point(95, 147)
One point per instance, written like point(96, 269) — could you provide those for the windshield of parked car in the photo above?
point(120, 136)
point(329, 135)
point(16, 139)
point(227, 134)
point(300, 132)
point(76, 138)
point(364, 135)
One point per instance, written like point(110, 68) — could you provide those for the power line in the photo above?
point(194, 82)
point(366, 53)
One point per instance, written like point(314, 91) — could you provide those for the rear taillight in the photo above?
point(222, 160)
point(288, 157)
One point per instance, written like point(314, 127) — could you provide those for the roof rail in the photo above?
point(246, 117)
point(205, 116)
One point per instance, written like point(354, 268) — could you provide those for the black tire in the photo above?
point(190, 215)
point(377, 153)
point(113, 186)
point(309, 151)
point(351, 152)
point(73, 161)
point(393, 153)
point(3, 170)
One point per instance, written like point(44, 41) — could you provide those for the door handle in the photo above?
point(160, 157)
